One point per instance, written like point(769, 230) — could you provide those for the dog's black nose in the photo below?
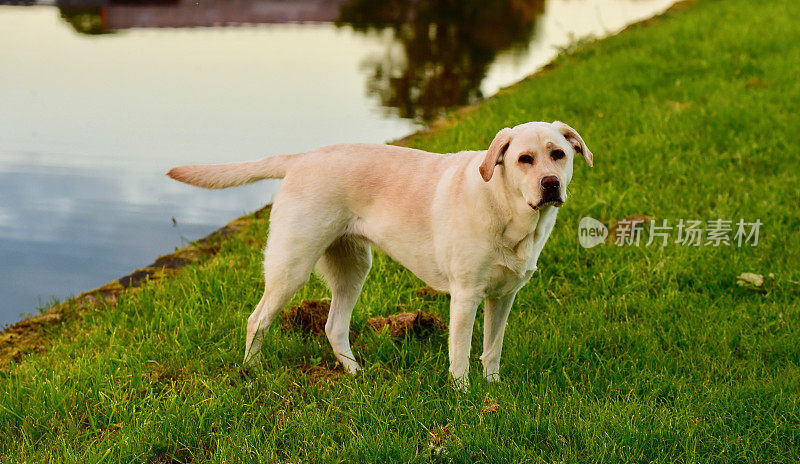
point(550, 183)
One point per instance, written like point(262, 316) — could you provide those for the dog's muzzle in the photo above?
point(551, 193)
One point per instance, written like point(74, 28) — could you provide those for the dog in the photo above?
point(471, 224)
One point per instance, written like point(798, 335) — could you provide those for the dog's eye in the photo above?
point(557, 154)
point(526, 159)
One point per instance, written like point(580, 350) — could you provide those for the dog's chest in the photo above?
point(512, 268)
point(517, 258)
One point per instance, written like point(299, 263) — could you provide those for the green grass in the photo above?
point(615, 354)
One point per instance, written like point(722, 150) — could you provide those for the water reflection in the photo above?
point(447, 47)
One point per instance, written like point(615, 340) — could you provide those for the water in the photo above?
point(99, 99)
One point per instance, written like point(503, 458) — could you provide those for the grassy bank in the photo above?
point(613, 353)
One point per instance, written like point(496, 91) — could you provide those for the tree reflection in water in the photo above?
point(447, 45)
point(86, 20)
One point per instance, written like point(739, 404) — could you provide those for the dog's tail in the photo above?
point(218, 176)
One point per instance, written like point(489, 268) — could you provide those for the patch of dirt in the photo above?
point(417, 323)
point(437, 438)
point(429, 292)
point(309, 316)
point(320, 374)
point(756, 83)
point(490, 406)
point(27, 336)
point(161, 374)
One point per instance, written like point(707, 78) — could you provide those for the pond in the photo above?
point(101, 97)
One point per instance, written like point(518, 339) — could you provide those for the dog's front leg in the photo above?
point(463, 305)
point(494, 326)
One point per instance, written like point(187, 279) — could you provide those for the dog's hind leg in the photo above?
point(345, 265)
point(293, 246)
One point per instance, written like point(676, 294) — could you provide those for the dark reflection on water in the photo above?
point(447, 45)
point(86, 20)
point(447, 48)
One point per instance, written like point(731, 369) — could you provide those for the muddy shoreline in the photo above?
point(29, 334)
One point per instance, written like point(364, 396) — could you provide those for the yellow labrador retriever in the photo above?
point(471, 223)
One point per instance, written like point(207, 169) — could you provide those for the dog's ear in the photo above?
point(494, 155)
point(574, 138)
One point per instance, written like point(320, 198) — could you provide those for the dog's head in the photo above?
point(536, 160)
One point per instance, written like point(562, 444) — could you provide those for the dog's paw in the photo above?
point(351, 367)
point(461, 383)
point(251, 359)
point(491, 373)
